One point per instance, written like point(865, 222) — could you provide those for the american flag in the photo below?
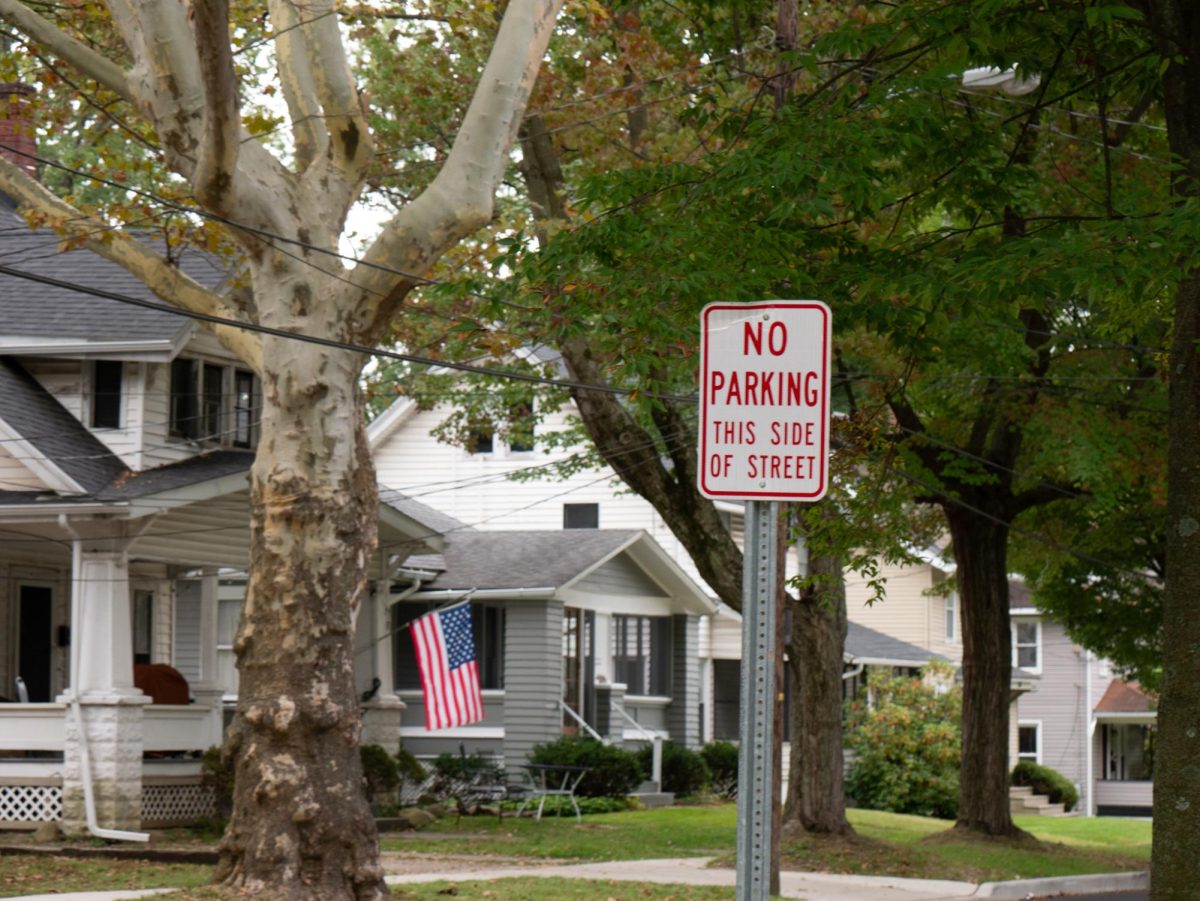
point(449, 671)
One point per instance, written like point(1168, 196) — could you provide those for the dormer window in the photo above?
point(213, 403)
point(107, 381)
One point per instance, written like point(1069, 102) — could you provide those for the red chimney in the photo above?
point(17, 140)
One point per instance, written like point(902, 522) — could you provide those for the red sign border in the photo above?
point(827, 320)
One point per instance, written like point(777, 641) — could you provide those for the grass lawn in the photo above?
point(37, 875)
point(629, 835)
point(886, 844)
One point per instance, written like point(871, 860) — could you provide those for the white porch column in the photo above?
point(208, 690)
point(381, 714)
point(110, 706)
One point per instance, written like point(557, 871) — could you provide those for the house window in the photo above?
point(642, 654)
point(481, 440)
point(520, 434)
point(1128, 750)
point(107, 376)
point(143, 626)
point(581, 516)
point(1029, 742)
point(243, 408)
point(487, 628)
point(952, 617)
point(185, 403)
point(1027, 635)
point(213, 403)
point(211, 400)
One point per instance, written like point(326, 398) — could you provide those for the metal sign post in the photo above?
point(755, 764)
point(764, 438)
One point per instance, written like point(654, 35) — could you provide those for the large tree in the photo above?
point(301, 826)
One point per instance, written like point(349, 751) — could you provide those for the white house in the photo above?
point(125, 437)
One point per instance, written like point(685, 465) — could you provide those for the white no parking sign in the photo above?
point(764, 400)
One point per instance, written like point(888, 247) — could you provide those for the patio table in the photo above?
point(552, 780)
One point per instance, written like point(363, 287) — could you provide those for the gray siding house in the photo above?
point(1080, 718)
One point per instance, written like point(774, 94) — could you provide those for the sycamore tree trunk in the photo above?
point(300, 816)
point(981, 554)
point(816, 800)
point(1175, 865)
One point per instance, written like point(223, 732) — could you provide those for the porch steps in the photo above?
point(650, 794)
point(1022, 800)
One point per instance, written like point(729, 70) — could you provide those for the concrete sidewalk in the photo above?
point(695, 871)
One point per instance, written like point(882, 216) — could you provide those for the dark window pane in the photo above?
point(1027, 741)
point(106, 394)
point(520, 436)
point(214, 394)
point(487, 624)
point(185, 404)
point(243, 408)
point(481, 440)
point(642, 654)
point(581, 516)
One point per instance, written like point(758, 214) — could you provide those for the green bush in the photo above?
point(613, 772)
point(216, 770)
point(684, 772)
point(907, 746)
point(1045, 781)
point(722, 760)
point(380, 771)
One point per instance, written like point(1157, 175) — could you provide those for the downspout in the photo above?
point(1090, 732)
point(85, 760)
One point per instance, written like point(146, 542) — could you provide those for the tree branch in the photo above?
point(460, 199)
point(216, 162)
point(296, 79)
point(79, 55)
point(134, 256)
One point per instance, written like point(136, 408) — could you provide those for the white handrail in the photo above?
point(577, 718)
point(655, 747)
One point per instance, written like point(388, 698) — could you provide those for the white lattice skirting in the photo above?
point(176, 804)
point(22, 804)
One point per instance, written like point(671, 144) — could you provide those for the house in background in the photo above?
point(475, 487)
point(126, 434)
point(1081, 718)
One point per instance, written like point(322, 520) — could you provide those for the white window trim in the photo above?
point(950, 608)
point(89, 398)
point(1037, 623)
point(1036, 724)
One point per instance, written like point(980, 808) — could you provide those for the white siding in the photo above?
point(907, 611)
point(14, 475)
point(474, 487)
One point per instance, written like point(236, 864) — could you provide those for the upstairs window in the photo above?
point(520, 436)
point(107, 381)
point(952, 617)
point(185, 401)
point(1027, 635)
point(213, 403)
point(581, 516)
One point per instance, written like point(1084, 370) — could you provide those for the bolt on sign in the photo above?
point(764, 400)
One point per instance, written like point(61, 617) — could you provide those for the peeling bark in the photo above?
point(300, 816)
point(816, 800)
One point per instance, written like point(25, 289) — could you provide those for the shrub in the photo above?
point(907, 747)
point(684, 772)
point(380, 771)
point(722, 760)
point(1046, 781)
point(217, 771)
point(453, 772)
point(613, 772)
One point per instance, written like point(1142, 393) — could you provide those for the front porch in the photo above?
point(33, 740)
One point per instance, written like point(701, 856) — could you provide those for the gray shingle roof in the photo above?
point(41, 420)
point(192, 471)
point(545, 559)
point(35, 310)
point(864, 643)
point(436, 521)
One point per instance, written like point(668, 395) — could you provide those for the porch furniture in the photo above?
point(492, 786)
point(553, 780)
